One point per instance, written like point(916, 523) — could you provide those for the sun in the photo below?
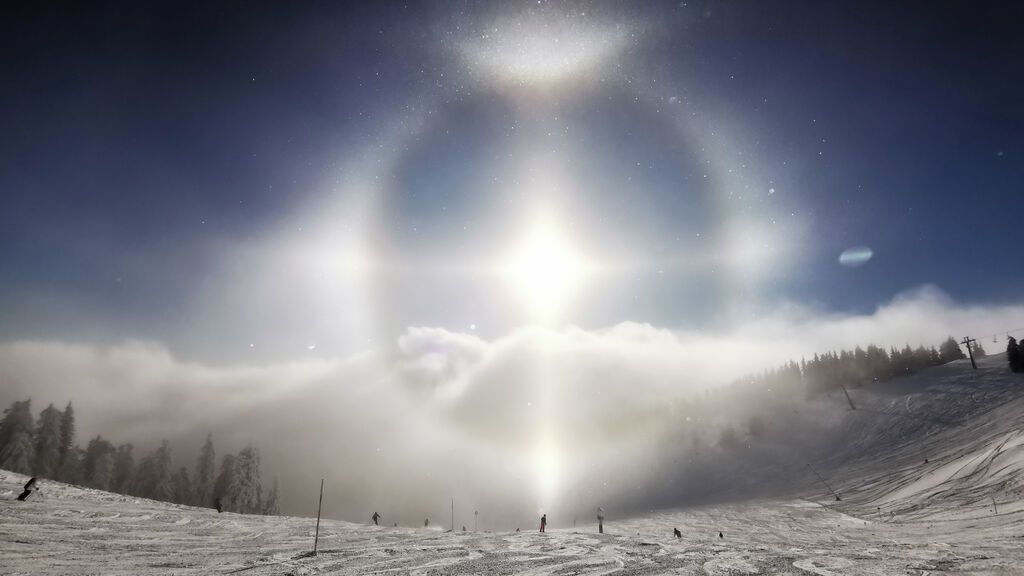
point(544, 269)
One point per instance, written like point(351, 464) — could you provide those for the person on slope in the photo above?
point(543, 522)
point(30, 487)
point(600, 520)
point(375, 517)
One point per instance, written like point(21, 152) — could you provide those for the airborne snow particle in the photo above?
point(856, 256)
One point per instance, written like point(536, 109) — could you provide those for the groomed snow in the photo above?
point(899, 515)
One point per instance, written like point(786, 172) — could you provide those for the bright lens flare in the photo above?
point(544, 270)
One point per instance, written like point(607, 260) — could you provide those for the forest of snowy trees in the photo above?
point(46, 448)
point(858, 366)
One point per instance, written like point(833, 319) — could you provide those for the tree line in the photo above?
point(46, 448)
point(858, 366)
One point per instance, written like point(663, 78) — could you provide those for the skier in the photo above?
point(543, 522)
point(426, 523)
point(375, 518)
point(600, 520)
point(30, 486)
point(677, 533)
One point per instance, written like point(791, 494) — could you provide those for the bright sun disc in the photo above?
point(544, 269)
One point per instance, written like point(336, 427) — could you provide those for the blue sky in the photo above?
point(162, 164)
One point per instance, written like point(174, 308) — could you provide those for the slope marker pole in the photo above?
point(316, 538)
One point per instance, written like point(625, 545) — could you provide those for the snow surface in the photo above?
point(898, 515)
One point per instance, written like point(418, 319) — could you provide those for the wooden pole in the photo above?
point(316, 538)
point(848, 399)
point(970, 350)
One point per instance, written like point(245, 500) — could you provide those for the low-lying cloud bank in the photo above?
point(539, 419)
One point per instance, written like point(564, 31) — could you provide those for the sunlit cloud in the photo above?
point(519, 420)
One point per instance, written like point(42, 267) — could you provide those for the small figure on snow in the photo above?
point(543, 522)
point(426, 523)
point(600, 520)
point(375, 518)
point(217, 504)
point(517, 529)
point(720, 536)
point(463, 528)
point(677, 533)
point(30, 487)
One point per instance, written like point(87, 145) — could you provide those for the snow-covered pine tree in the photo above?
point(70, 470)
point(67, 448)
point(47, 443)
point(183, 493)
point(16, 450)
point(103, 471)
point(247, 474)
point(270, 503)
point(225, 488)
point(163, 484)
point(97, 450)
point(143, 482)
point(124, 469)
point(204, 475)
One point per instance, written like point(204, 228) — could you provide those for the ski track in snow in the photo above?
point(899, 515)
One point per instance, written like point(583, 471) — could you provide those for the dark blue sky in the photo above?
point(144, 143)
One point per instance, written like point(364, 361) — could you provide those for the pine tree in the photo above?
point(16, 450)
point(1014, 355)
point(225, 488)
point(124, 469)
point(204, 475)
point(270, 504)
point(67, 447)
point(47, 443)
point(144, 480)
point(163, 485)
point(97, 463)
point(979, 352)
point(950, 350)
point(247, 473)
point(70, 471)
point(183, 493)
point(103, 471)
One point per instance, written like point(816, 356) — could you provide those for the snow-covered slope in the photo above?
point(899, 514)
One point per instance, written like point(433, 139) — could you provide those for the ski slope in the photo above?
point(898, 514)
